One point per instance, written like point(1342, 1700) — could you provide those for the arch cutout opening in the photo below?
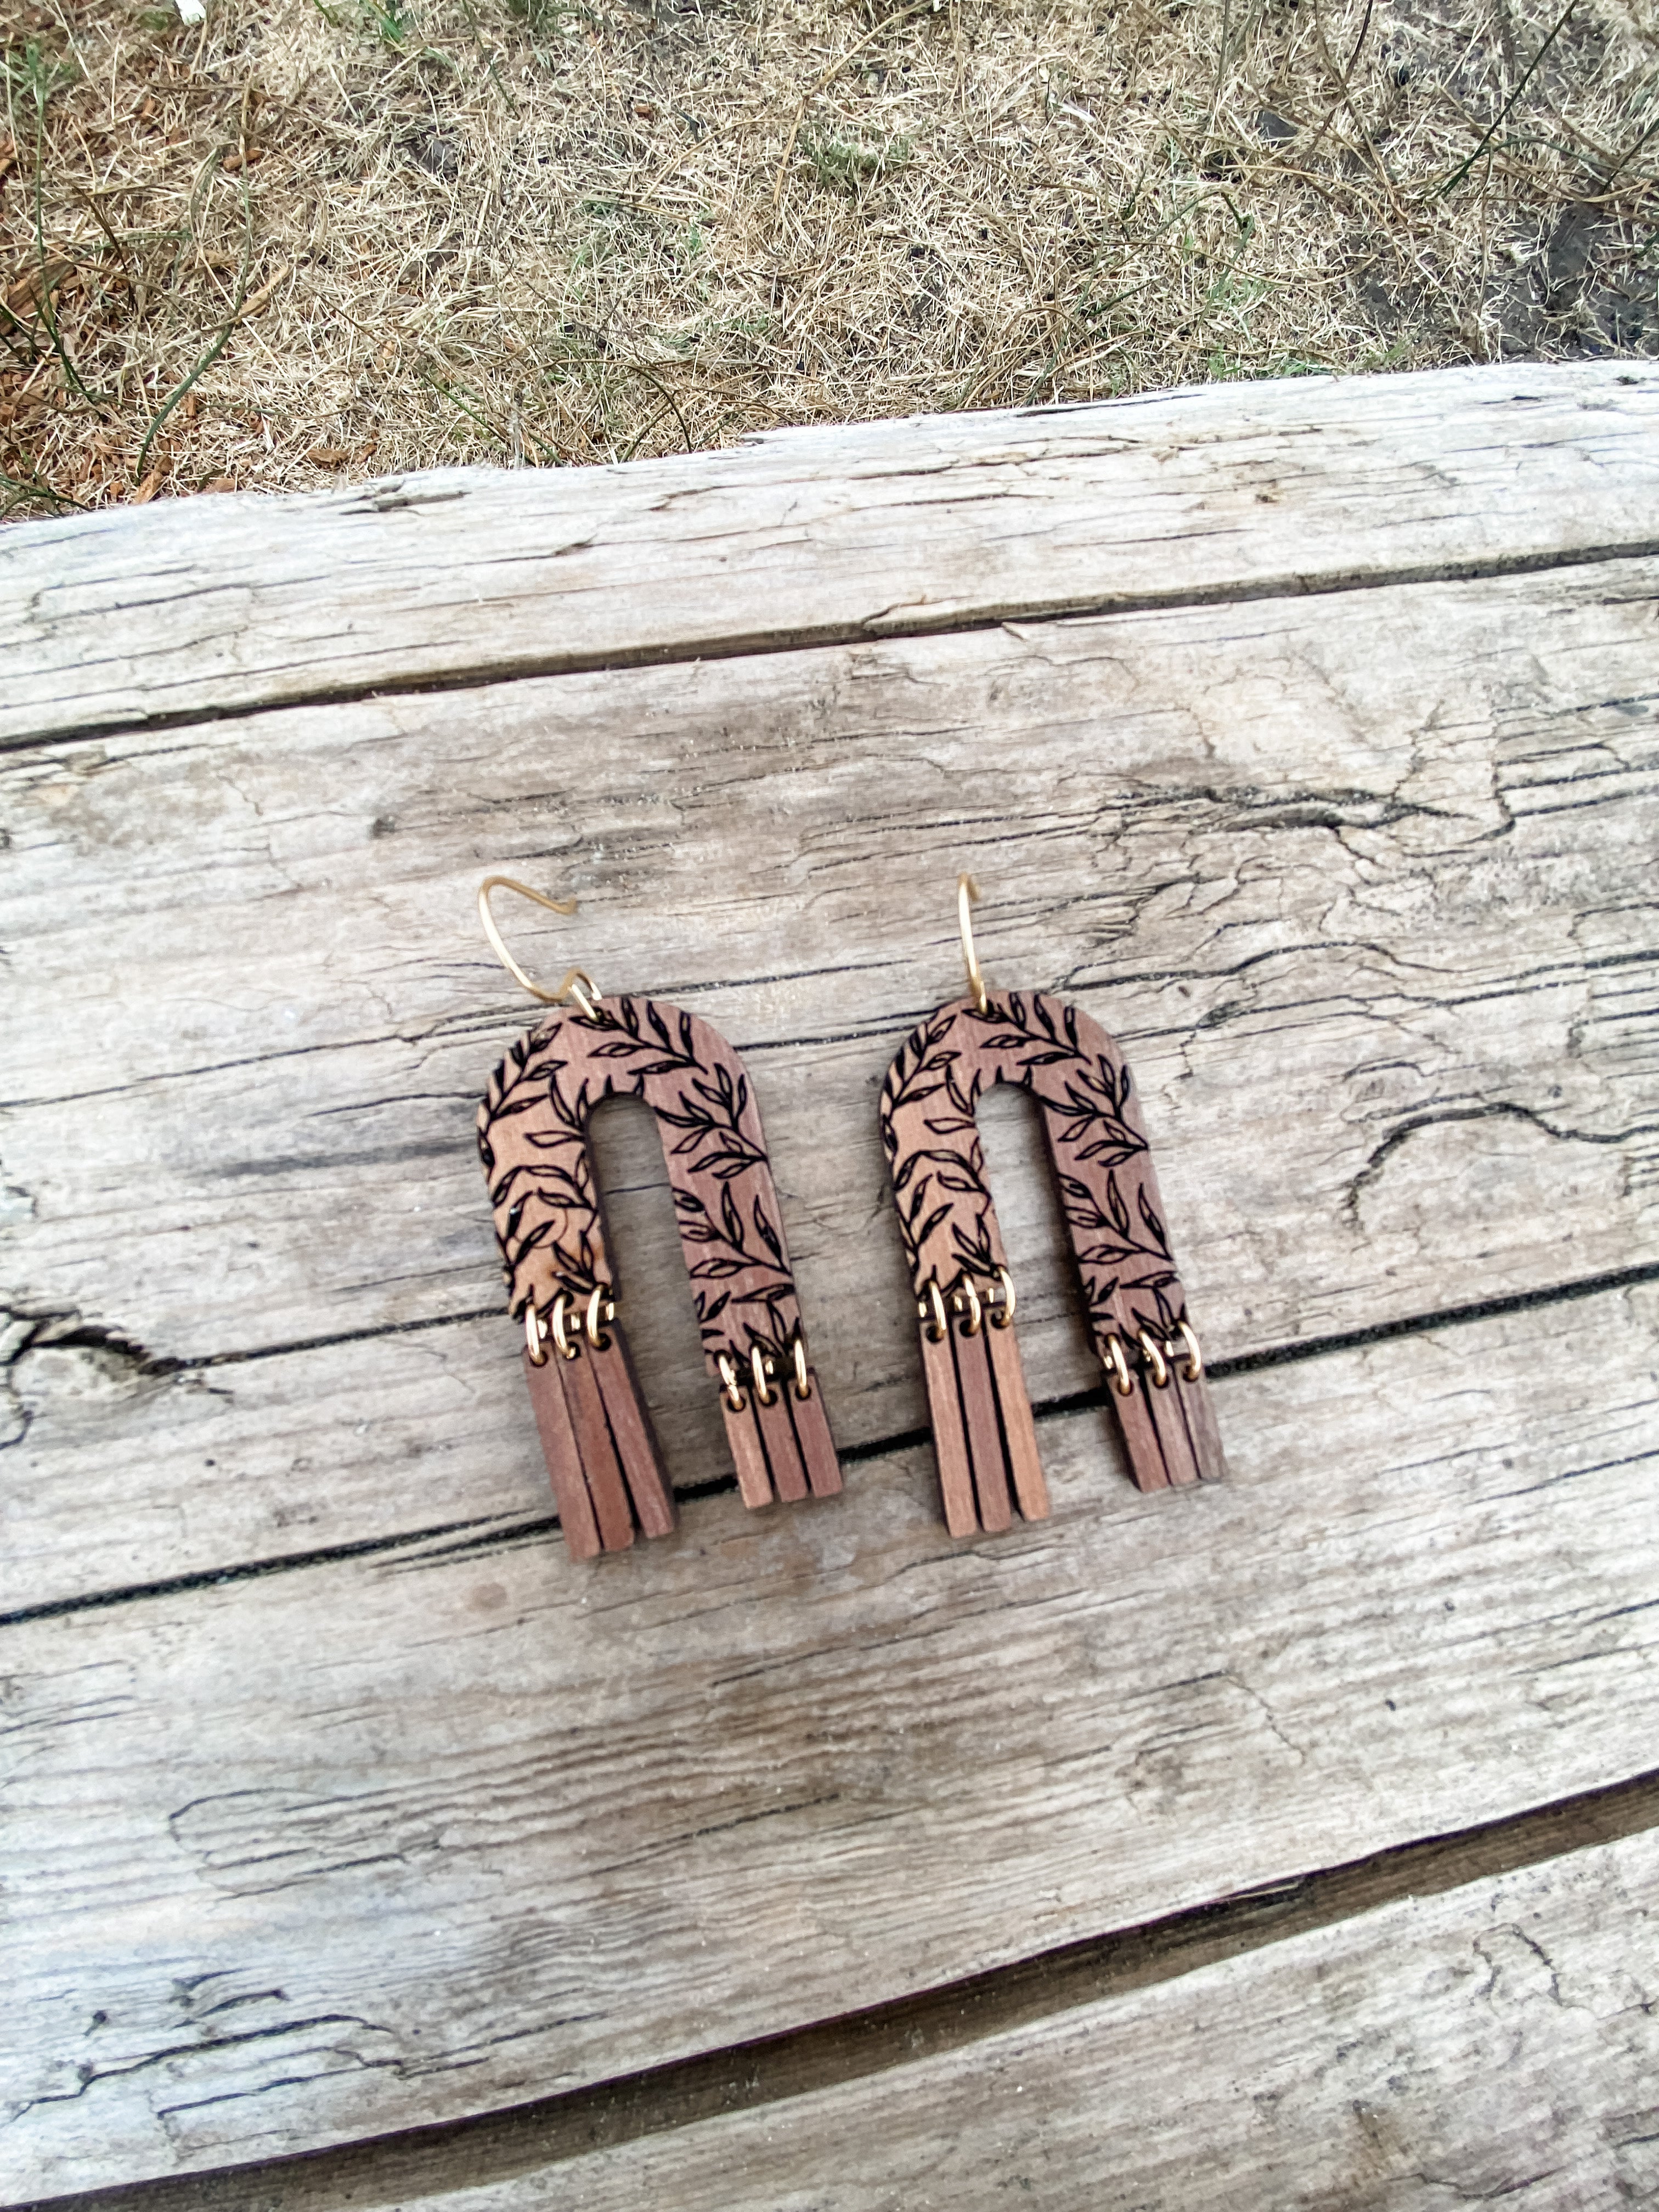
point(1059, 1352)
point(654, 1295)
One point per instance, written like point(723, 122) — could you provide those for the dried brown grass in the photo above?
point(345, 236)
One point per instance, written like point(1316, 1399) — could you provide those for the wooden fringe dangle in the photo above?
point(983, 1434)
point(983, 1429)
point(602, 1455)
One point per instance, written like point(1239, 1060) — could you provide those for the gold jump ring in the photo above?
point(1154, 1359)
point(764, 1395)
point(803, 1384)
point(1003, 1318)
point(561, 1309)
point(734, 1397)
point(1118, 1367)
point(535, 1336)
point(1193, 1367)
point(598, 1307)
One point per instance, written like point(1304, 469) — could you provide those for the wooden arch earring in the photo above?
point(606, 1468)
point(983, 1432)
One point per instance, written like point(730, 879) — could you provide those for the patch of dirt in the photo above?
point(311, 240)
point(1585, 288)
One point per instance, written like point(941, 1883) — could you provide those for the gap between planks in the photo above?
point(749, 645)
point(519, 2140)
point(483, 1534)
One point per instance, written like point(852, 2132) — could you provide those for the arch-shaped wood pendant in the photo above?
point(606, 1468)
point(983, 1428)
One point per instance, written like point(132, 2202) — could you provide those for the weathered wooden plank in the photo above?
point(1498, 2043)
point(364, 1845)
point(193, 607)
point(788, 2072)
point(1363, 882)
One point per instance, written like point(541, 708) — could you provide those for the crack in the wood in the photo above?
point(1354, 1340)
point(91, 2075)
point(486, 1021)
point(1231, 1674)
point(1513, 1928)
point(62, 1328)
point(246, 1571)
point(1490, 1109)
point(748, 1819)
point(528, 2139)
point(1492, 2195)
point(1576, 1473)
point(861, 630)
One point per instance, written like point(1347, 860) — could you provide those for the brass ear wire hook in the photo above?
point(576, 984)
point(966, 898)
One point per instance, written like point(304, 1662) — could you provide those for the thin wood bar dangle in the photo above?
point(603, 1458)
point(983, 1428)
point(983, 1433)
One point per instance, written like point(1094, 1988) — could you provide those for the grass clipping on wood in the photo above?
point(306, 237)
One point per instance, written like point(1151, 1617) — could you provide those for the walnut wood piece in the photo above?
point(340, 1800)
point(534, 1143)
point(571, 1492)
point(1134, 1302)
point(616, 1449)
point(983, 1435)
point(1013, 1404)
point(633, 1439)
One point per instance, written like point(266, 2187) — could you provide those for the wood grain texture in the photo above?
point(1499, 2043)
point(187, 610)
point(1368, 873)
point(360, 1847)
point(529, 2138)
point(339, 1799)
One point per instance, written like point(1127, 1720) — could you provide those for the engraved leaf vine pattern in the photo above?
point(1101, 1162)
point(533, 1140)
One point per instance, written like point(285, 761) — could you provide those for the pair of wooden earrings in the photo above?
point(608, 1480)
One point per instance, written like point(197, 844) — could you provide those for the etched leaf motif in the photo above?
point(768, 1234)
point(726, 1161)
point(1154, 1225)
point(935, 1219)
point(532, 1145)
point(1116, 1207)
point(730, 1221)
point(1100, 1157)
